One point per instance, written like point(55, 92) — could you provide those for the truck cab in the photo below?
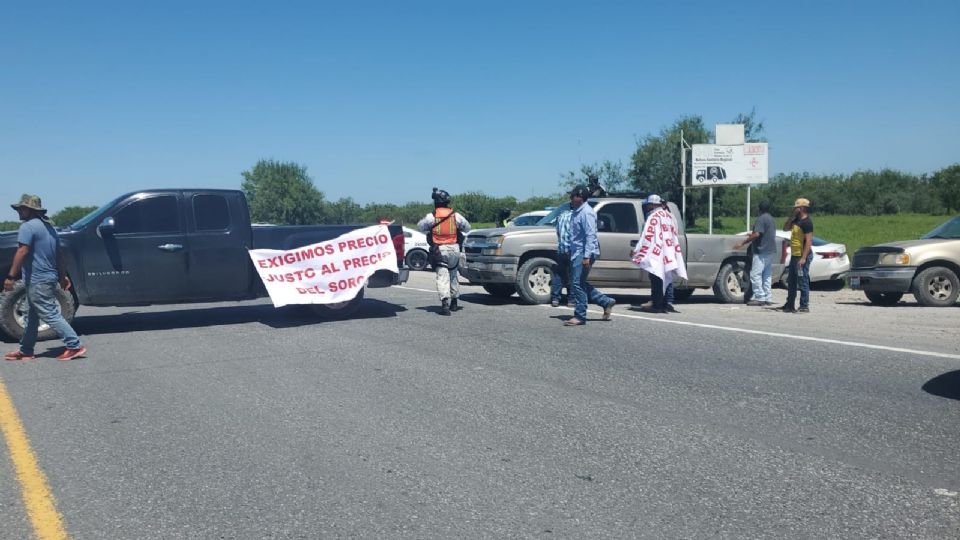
point(520, 259)
point(172, 246)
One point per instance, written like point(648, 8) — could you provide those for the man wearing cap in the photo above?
point(801, 254)
point(38, 256)
point(655, 260)
point(584, 250)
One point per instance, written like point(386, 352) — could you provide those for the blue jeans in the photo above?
point(43, 305)
point(560, 277)
point(799, 276)
point(582, 290)
point(760, 276)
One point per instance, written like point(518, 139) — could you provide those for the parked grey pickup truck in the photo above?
point(928, 268)
point(171, 246)
point(519, 259)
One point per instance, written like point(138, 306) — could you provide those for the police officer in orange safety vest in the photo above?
point(445, 229)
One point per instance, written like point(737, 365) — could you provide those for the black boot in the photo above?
point(445, 307)
point(454, 306)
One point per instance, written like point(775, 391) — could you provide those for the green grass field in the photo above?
point(854, 231)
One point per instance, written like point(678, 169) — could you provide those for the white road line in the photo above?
point(434, 291)
point(761, 332)
point(782, 335)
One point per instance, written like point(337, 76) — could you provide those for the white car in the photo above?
point(830, 261)
point(416, 248)
point(528, 218)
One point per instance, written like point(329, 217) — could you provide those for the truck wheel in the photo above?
point(417, 259)
point(936, 286)
point(13, 312)
point(682, 295)
point(533, 280)
point(340, 310)
point(500, 290)
point(728, 286)
point(883, 298)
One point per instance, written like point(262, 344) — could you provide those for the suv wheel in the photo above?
point(417, 259)
point(533, 280)
point(729, 283)
point(936, 286)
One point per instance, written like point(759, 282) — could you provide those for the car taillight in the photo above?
point(830, 254)
point(398, 246)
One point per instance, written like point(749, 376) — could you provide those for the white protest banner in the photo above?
point(325, 272)
point(658, 251)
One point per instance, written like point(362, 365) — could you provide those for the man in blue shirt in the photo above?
point(38, 256)
point(584, 250)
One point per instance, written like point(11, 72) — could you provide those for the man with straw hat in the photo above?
point(38, 256)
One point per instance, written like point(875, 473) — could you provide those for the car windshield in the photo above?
point(551, 218)
point(950, 229)
point(92, 216)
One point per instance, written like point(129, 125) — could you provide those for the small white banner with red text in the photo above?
point(325, 272)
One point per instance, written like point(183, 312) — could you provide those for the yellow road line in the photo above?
point(37, 497)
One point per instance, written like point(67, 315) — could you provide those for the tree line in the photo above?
point(283, 193)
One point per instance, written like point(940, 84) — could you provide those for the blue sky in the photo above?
point(383, 100)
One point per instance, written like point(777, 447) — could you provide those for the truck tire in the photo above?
point(417, 259)
point(340, 310)
point(13, 312)
point(533, 280)
point(500, 290)
point(936, 286)
point(883, 298)
point(728, 286)
point(682, 295)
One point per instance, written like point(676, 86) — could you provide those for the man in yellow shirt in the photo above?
point(801, 254)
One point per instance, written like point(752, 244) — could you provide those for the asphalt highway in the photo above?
point(243, 421)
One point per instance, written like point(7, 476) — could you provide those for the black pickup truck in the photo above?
point(172, 246)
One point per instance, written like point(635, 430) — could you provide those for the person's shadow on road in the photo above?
point(946, 385)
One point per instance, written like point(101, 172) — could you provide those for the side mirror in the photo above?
point(106, 227)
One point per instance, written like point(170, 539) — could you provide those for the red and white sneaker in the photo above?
point(17, 355)
point(70, 354)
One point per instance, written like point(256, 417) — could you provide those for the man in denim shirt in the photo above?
point(38, 255)
point(584, 250)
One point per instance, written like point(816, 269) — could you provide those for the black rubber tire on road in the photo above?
point(13, 312)
point(417, 259)
point(533, 280)
point(883, 298)
point(682, 295)
point(500, 290)
point(728, 286)
point(339, 310)
point(936, 286)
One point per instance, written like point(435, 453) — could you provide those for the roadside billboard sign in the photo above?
point(724, 165)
